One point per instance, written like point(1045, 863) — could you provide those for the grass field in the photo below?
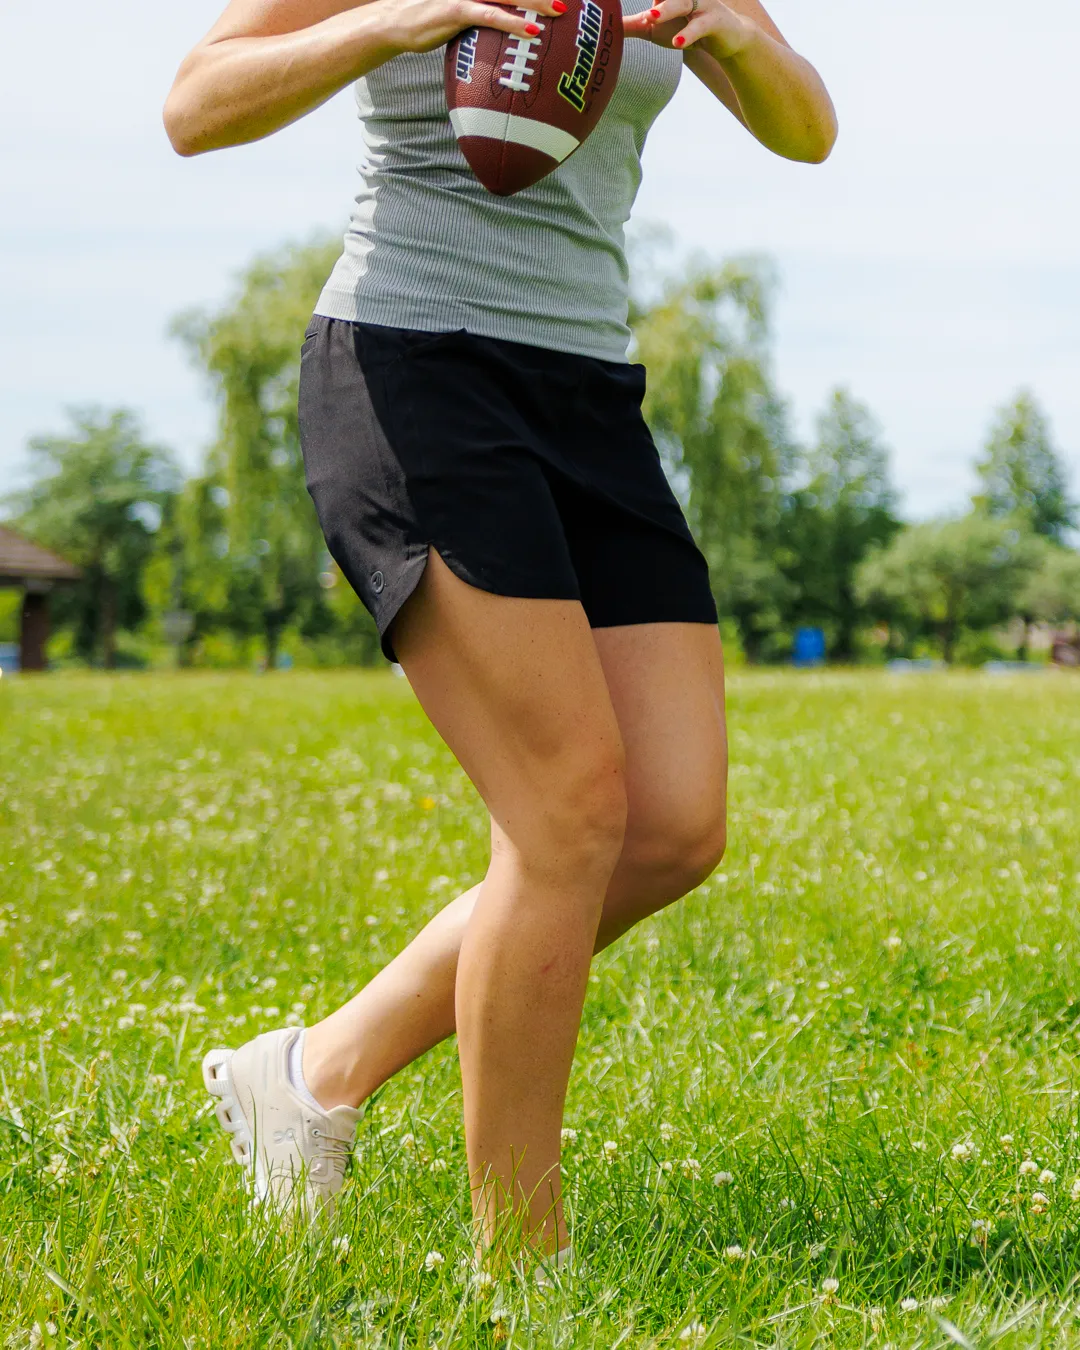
point(830, 1099)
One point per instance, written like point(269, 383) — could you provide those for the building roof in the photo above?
point(20, 560)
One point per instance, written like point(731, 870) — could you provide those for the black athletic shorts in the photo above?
point(531, 472)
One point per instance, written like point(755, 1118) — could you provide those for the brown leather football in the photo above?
point(520, 106)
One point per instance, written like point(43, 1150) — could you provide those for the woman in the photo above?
point(475, 449)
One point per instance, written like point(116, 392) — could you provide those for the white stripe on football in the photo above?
point(500, 126)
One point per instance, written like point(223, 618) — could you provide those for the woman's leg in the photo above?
point(516, 689)
point(666, 683)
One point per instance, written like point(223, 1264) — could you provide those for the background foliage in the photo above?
point(795, 535)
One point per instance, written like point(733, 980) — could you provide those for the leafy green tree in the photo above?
point(253, 551)
point(948, 575)
point(1052, 594)
point(722, 429)
point(847, 507)
point(97, 496)
point(1022, 473)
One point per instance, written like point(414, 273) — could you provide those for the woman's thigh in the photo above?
point(666, 684)
point(517, 690)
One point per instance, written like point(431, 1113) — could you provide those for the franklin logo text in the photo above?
point(575, 86)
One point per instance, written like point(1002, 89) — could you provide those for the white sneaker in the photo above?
point(297, 1153)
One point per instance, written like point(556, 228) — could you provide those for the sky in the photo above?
point(931, 266)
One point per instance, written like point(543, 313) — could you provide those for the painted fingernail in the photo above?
point(680, 41)
point(559, 7)
point(654, 13)
point(533, 29)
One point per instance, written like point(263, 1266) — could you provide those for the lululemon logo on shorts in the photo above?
point(378, 581)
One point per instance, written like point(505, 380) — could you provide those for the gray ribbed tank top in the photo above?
point(428, 247)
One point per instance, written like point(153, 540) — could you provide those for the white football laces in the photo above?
point(522, 53)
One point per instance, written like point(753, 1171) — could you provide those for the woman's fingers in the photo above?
point(508, 18)
point(640, 25)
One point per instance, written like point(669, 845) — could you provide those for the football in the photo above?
point(520, 106)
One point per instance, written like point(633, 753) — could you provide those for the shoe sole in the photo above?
point(217, 1078)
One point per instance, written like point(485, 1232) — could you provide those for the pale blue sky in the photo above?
point(933, 265)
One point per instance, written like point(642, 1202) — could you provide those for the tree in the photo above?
point(256, 545)
point(847, 507)
point(1052, 594)
point(722, 430)
point(948, 575)
point(1022, 473)
point(97, 496)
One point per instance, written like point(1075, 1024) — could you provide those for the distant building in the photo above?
point(35, 571)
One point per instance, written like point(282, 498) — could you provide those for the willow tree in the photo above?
point(265, 549)
point(722, 429)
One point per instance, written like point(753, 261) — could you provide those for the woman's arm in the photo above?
point(266, 63)
point(737, 51)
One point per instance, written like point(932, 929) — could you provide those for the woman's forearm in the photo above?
point(240, 89)
point(781, 97)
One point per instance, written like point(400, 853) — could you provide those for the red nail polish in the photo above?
point(680, 41)
point(533, 29)
point(559, 7)
point(654, 13)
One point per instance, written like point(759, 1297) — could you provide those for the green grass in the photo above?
point(817, 1061)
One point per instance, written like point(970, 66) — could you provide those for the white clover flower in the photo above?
point(408, 1141)
point(1006, 1142)
point(722, 1179)
point(963, 1151)
point(892, 942)
point(158, 1080)
point(938, 1302)
point(1046, 1177)
point(1028, 1167)
point(611, 1150)
point(691, 1168)
point(667, 1133)
point(340, 1247)
point(667, 1165)
point(980, 1231)
point(1074, 1194)
point(125, 1023)
point(734, 1252)
point(569, 1136)
point(909, 1305)
point(694, 1332)
point(1039, 1202)
point(437, 1165)
point(829, 1287)
point(484, 1279)
point(38, 1333)
point(434, 1260)
point(919, 1144)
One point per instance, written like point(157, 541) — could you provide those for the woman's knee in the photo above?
point(666, 857)
point(579, 819)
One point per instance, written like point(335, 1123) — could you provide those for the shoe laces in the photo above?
point(335, 1150)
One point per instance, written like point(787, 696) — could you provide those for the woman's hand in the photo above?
point(423, 25)
point(681, 23)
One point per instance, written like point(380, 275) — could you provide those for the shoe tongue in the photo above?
point(344, 1118)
